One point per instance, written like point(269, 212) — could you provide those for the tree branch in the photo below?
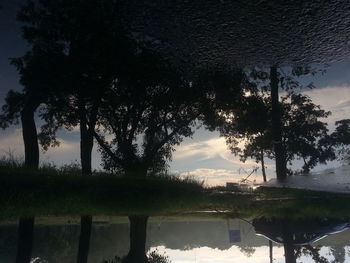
point(106, 148)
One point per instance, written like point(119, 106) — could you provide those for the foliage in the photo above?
point(220, 92)
point(10, 111)
point(304, 135)
point(341, 138)
point(147, 111)
point(248, 129)
point(76, 48)
point(153, 257)
point(247, 250)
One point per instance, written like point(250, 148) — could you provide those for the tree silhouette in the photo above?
point(25, 239)
point(341, 138)
point(84, 239)
point(304, 136)
point(147, 111)
point(137, 252)
point(297, 235)
point(279, 80)
point(38, 73)
point(76, 48)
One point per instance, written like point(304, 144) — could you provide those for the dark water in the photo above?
point(205, 32)
point(138, 238)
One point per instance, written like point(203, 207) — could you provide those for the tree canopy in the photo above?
point(248, 128)
point(147, 112)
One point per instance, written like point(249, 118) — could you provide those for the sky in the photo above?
point(233, 254)
point(204, 156)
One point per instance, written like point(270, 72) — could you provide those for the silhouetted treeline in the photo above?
point(84, 69)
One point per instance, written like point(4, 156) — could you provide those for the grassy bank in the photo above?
point(45, 193)
point(28, 192)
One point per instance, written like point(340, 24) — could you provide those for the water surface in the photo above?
point(170, 239)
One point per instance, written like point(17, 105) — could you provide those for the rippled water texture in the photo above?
point(244, 32)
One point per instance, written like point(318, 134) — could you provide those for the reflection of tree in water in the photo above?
point(152, 257)
point(247, 251)
point(137, 252)
point(25, 239)
point(297, 236)
point(338, 252)
point(313, 252)
point(156, 257)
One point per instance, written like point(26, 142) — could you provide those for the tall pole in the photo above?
point(279, 150)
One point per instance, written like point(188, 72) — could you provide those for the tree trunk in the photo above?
point(25, 240)
point(306, 169)
point(30, 135)
point(137, 253)
point(289, 253)
point(84, 239)
point(86, 142)
point(263, 165)
point(86, 145)
point(281, 169)
point(289, 249)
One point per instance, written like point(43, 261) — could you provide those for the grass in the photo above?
point(50, 191)
point(26, 193)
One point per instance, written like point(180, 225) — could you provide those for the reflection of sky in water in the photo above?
point(205, 155)
point(235, 255)
point(189, 240)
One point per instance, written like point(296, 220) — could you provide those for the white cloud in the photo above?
point(332, 98)
point(205, 150)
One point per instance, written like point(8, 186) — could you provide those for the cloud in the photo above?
point(205, 150)
point(11, 141)
point(334, 99)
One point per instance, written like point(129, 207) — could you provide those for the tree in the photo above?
point(341, 139)
point(84, 239)
point(147, 111)
point(257, 88)
point(38, 73)
point(276, 127)
point(279, 80)
point(304, 136)
point(137, 251)
point(25, 239)
point(76, 49)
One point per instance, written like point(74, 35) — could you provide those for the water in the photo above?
point(184, 240)
point(212, 33)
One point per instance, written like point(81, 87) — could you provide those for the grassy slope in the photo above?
point(44, 193)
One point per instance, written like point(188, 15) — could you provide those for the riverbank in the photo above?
point(24, 193)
